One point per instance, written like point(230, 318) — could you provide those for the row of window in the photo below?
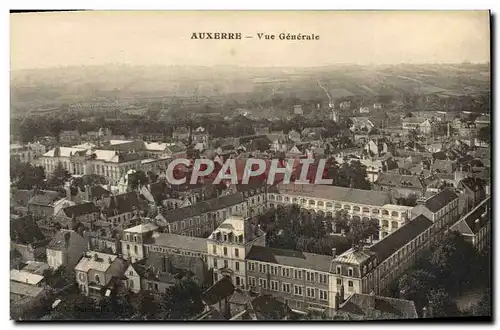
point(330, 205)
point(297, 274)
point(175, 251)
point(225, 251)
point(226, 264)
point(298, 290)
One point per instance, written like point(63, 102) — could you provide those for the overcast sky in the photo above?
point(163, 38)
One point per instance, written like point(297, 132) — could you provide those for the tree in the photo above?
point(75, 307)
point(182, 301)
point(138, 178)
point(416, 285)
point(145, 305)
point(410, 200)
point(484, 134)
point(59, 176)
point(455, 262)
point(25, 175)
point(442, 304)
point(482, 308)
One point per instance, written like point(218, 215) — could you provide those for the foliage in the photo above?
point(59, 176)
point(410, 200)
point(25, 175)
point(482, 308)
point(138, 178)
point(484, 134)
point(415, 286)
point(442, 304)
point(181, 301)
point(352, 175)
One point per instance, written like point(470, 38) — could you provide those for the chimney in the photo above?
point(109, 260)
point(334, 252)
point(337, 301)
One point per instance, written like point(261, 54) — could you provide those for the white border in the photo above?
point(193, 5)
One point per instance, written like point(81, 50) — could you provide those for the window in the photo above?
point(236, 253)
point(323, 295)
point(135, 238)
point(238, 281)
point(251, 265)
point(97, 279)
point(215, 263)
point(310, 292)
point(350, 284)
point(237, 266)
point(273, 270)
point(339, 281)
point(128, 247)
point(323, 278)
point(308, 276)
point(285, 272)
point(131, 284)
point(274, 285)
point(131, 273)
point(350, 272)
point(339, 270)
point(225, 251)
point(297, 290)
point(225, 264)
point(251, 280)
point(286, 287)
point(214, 249)
point(263, 283)
point(136, 249)
point(262, 268)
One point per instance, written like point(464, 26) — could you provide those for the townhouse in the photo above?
point(84, 213)
point(96, 270)
point(475, 226)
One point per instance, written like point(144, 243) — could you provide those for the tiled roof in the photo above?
point(80, 209)
point(446, 166)
point(290, 258)
point(223, 288)
point(101, 263)
point(203, 207)
point(440, 200)
point(472, 217)
point(348, 195)
point(379, 307)
point(399, 238)
point(44, 197)
point(462, 227)
point(179, 241)
point(99, 192)
point(123, 203)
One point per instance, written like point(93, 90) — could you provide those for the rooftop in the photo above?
point(23, 276)
point(142, 228)
point(440, 200)
point(377, 307)
point(96, 261)
point(179, 241)
point(400, 237)
point(290, 258)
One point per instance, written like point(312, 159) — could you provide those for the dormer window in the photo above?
point(350, 272)
point(339, 270)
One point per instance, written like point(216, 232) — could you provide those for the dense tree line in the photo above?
point(449, 268)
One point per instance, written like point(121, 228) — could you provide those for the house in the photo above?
point(278, 142)
point(133, 239)
point(45, 203)
point(444, 166)
point(27, 238)
point(361, 306)
point(473, 189)
point(69, 136)
point(156, 274)
point(378, 147)
point(217, 296)
point(404, 185)
point(419, 124)
point(84, 213)
point(103, 239)
point(26, 153)
point(297, 109)
point(65, 249)
point(120, 210)
point(96, 270)
point(19, 199)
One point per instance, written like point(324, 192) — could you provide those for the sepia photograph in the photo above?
point(240, 166)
